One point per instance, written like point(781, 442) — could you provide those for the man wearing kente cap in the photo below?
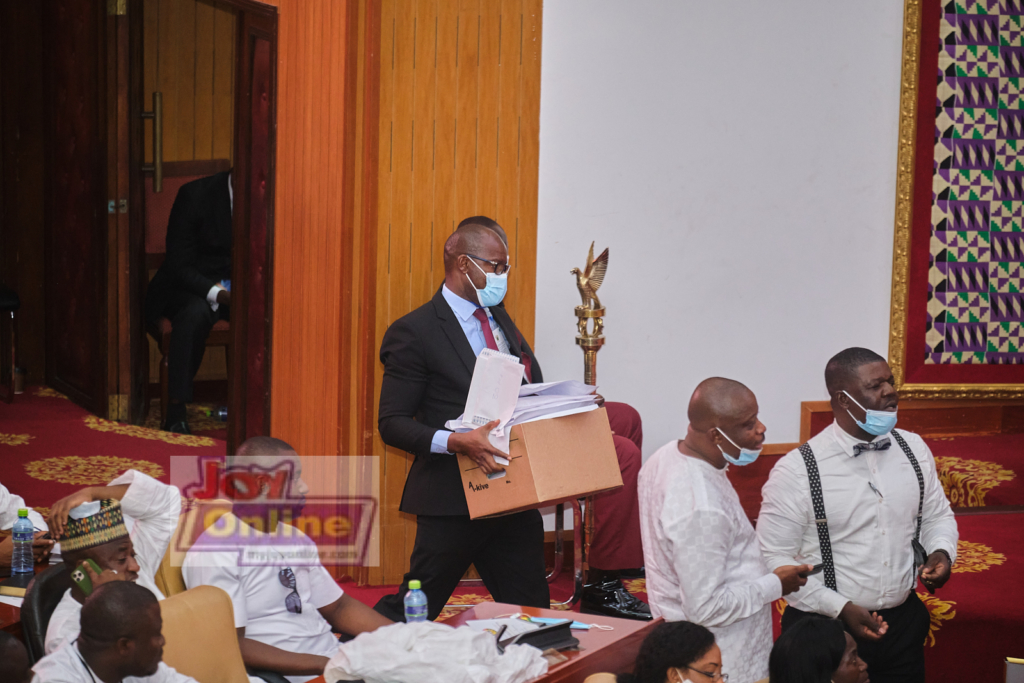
point(702, 557)
point(858, 498)
point(123, 527)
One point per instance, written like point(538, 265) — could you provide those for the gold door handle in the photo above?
point(157, 167)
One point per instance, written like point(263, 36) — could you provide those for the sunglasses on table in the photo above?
point(292, 602)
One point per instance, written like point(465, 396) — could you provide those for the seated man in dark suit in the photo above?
point(429, 356)
point(191, 288)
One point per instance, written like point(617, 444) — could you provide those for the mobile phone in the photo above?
point(81, 577)
point(817, 568)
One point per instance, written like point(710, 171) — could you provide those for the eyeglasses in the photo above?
point(717, 676)
point(292, 603)
point(499, 267)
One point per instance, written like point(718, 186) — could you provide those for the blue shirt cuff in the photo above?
point(439, 444)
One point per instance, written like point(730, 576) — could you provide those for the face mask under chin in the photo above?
point(746, 456)
point(876, 422)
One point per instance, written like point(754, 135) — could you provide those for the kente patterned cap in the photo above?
point(93, 528)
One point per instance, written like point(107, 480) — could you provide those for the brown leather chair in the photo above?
point(169, 578)
point(158, 212)
point(199, 627)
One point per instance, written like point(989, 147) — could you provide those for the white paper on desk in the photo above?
point(9, 600)
point(493, 392)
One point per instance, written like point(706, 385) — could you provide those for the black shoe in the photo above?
point(610, 597)
point(179, 427)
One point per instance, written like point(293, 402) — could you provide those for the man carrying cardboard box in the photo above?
point(428, 357)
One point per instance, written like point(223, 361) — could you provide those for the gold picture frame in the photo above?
point(910, 79)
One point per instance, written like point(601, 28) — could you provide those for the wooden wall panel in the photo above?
point(383, 109)
point(459, 136)
point(189, 55)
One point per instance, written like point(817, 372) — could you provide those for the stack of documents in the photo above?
point(530, 402)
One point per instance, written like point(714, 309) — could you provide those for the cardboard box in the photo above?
point(551, 461)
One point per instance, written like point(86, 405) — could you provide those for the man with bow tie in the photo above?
point(864, 500)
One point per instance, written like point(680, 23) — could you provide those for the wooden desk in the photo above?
point(600, 651)
point(10, 619)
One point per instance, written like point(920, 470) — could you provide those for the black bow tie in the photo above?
point(880, 445)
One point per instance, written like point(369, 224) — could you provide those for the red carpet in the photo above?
point(981, 471)
point(49, 447)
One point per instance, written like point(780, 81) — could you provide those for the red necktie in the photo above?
point(485, 328)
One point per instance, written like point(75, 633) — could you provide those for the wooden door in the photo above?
point(76, 225)
point(252, 254)
point(95, 351)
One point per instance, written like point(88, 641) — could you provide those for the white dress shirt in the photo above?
point(9, 506)
point(870, 531)
point(211, 296)
point(257, 596)
point(703, 561)
point(151, 511)
point(67, 665)
point(464, 311)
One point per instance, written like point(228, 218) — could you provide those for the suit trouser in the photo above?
point(899, 656)
point(616, 543)
point(507, 551)
point(191, 318)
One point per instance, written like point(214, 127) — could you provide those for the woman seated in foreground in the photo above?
point(677, 652)
point(816, 650)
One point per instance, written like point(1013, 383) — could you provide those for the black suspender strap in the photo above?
point(920, 481)
point(820, 519)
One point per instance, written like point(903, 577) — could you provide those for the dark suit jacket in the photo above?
point(198, 242)
point(428, 366)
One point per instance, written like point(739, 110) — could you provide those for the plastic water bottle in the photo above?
point(415, 603)
point(21, 562)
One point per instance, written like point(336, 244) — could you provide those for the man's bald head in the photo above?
point(488, 223)
point(118, 609)
point(717, 400)
point(264, 445)
point(471, 238)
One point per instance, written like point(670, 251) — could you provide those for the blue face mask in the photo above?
point(494, 291)
point(746, 456)
point(877, 422)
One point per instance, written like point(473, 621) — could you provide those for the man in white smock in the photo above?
point(702, 556)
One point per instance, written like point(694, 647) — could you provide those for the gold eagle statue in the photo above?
point(589, 281)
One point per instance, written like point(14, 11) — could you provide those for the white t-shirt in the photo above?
point(67, 665)
point(151, 511)
point(703, 560)
point(258, 597)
